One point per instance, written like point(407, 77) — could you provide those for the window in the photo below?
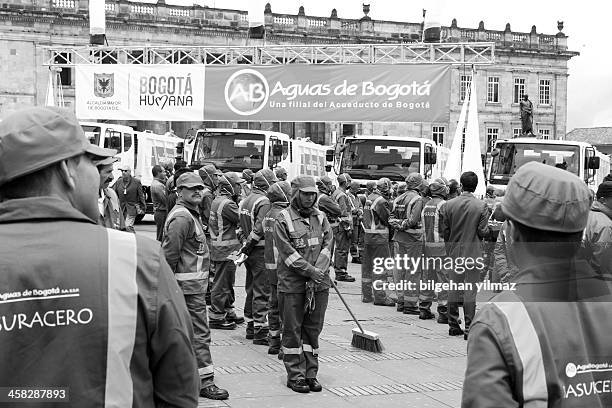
point(493, 89)
point(517, 132)
point(492, 135)
point(112, 140)
point(544, 91)
point(464, 85)
point(437, 133)
point(545, 132)
point(65, 73)
point(127, 141)
point(519, 89)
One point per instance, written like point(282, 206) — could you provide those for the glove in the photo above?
point(318, 276)
point(309, 305)
point(396, 224)
point(247, 247)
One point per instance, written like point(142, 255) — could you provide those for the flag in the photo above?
point(453, 164)
point(472, 159)
point(97, 22)
point(256, 19)
point(431, 28)
point(50, 100)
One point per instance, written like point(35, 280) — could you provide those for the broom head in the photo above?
point(367, 340)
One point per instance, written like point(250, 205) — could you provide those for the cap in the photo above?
point(231, 177)
point(124, 167)
point(34, 138)
point(414, 181)
point(247, 174)
point(604, 190)
point(326, 180)
point(355, 184)
point(547, 198)
point(189, 180)
point(304, 184)
point(209, 170)
point(437, 188)
point(105, 161)
point(263, 179)
point(344, 178)
point(280, 171)
point(383, 185)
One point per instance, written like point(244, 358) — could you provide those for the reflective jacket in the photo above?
point(330, 208)
point(597, 239)
point(376, 220)
point(111, 215)
point(186, 249)
point(356, 208)
point(90, 309)
point(546, 344)
point(346, 217)
point(407, 210)
point(271, 254)
point(207, 198)
point(303, 245)
point(223, 224)
point(253, 209)
point(432, 229)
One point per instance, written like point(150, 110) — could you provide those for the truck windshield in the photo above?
point(92, 133)
point(373, 159)
point(513, 155)
point(229, 151)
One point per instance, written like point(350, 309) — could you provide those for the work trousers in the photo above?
point(222, 294)
point(357, 240)
point(130, 220)
point(342, 241)
point(257, 294)
point(160, 220)
point(455, 297)
point(412, 297)
point(196, 305)
point(301, 332)
point(435, 271)
point(372, 280)
point(274, 317)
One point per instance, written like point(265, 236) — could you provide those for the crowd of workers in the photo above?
point(147, 302)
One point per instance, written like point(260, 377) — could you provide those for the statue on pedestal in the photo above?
point(527, 116)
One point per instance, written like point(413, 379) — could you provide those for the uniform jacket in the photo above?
point(131, 195)
point(330, 208)
point(207, 198)
point(432, 228)
point(106, 303)
point(186, 249)
point(346, 217)
point(356, 207)
point(111, 215)
point(505, 267)
point(532, 347)
point(253, 210)
point(464, 224)
point(406, 211)
point(271, 255)
point(376, 219)
point(597, 239)
point(223, 224)
point(159, 196)
point(303, 245)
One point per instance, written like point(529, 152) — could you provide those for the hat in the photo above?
point(231, 177)
point(305, 184)
point(355, 184)
point(547, 198)
point(106, 161)
point(383, 185)
point(414, 181)
point(263, 179)
point(326, 180)
point(189, 180)
point(604, 190)
point(247, 174)
point(123, 167)
point(344, 178)
point(438, 189)
point(34, 138)
point(209, 170)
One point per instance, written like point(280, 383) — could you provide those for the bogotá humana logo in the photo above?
point(246, 92)
point(104, 85)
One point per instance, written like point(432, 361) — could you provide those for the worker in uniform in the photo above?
point(370, 187)
point(434, 249)
point(210, 176)
point(106, 324)
point(280, 173)
point(253, 210)
point(279, 195)
point(304, 239)
point(376, 244)
point(247, 176)
point(131, 196)
point(328, 206)
point(597, 237)
point(159, 197)
point(343, 231)
point(546, 343)
point(187, 254)
point(357, 213)
point(111, 215)
point(224, 220)
point(406, 219)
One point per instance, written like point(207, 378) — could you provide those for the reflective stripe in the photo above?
point(248, 319)
point(254, 236)
point(321, 217)
point(292, 351)
point(259, 324)
point(287, 217)
point(308, 349)
point(179, 209)
point(292, 258)
point(334, 224)
point(527, 343)
point(366, 280)
point(190, 275)
point(270, 266)
point(326, 253)
point(229, 242)
point(373, 228)
point(313, 241)
point(122, 307)
point(274, 332)
point(219, 238)
point(259, 200)
point(206, 370)
point(275, 255)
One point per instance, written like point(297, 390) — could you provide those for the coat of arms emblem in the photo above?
point(104, 85)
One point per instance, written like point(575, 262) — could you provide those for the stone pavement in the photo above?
point(421, 365)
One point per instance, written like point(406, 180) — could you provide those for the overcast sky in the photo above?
point(586, 23)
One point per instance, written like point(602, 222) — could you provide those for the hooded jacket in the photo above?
point(376, 219)
point(597, 239)
point(224, 221)
point(327, 205)
point(254, 208)
point(279, 195)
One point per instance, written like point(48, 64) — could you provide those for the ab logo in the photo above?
point(246, 92)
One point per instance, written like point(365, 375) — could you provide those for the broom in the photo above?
point(362, 339)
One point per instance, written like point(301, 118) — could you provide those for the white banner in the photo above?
point(140, 92)
point(97, 17)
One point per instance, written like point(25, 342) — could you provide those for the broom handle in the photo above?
point(347, 306)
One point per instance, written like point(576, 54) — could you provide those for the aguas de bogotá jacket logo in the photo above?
point(104, 85)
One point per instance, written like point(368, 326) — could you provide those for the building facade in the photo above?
point(531, 63)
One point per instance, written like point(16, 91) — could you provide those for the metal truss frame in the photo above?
point(472, 53)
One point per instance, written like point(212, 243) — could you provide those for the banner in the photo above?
point(320, 93)
point(142, 92)
point(278, 93)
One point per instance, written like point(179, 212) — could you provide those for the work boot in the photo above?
point(367, 300)
point(299, 385)
point(385, 302)
point(260, 342)
point(455, 331)
point(356, 260)
point(314, 385)
point(250, 331)
point(281, 354)
point(345, 277)
point(411, 310)
point(400, 307)
point(213, 392)
point(221, 324)
point(442, 319)
point(273, 350)
point(426, 315)
point(234, 318)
